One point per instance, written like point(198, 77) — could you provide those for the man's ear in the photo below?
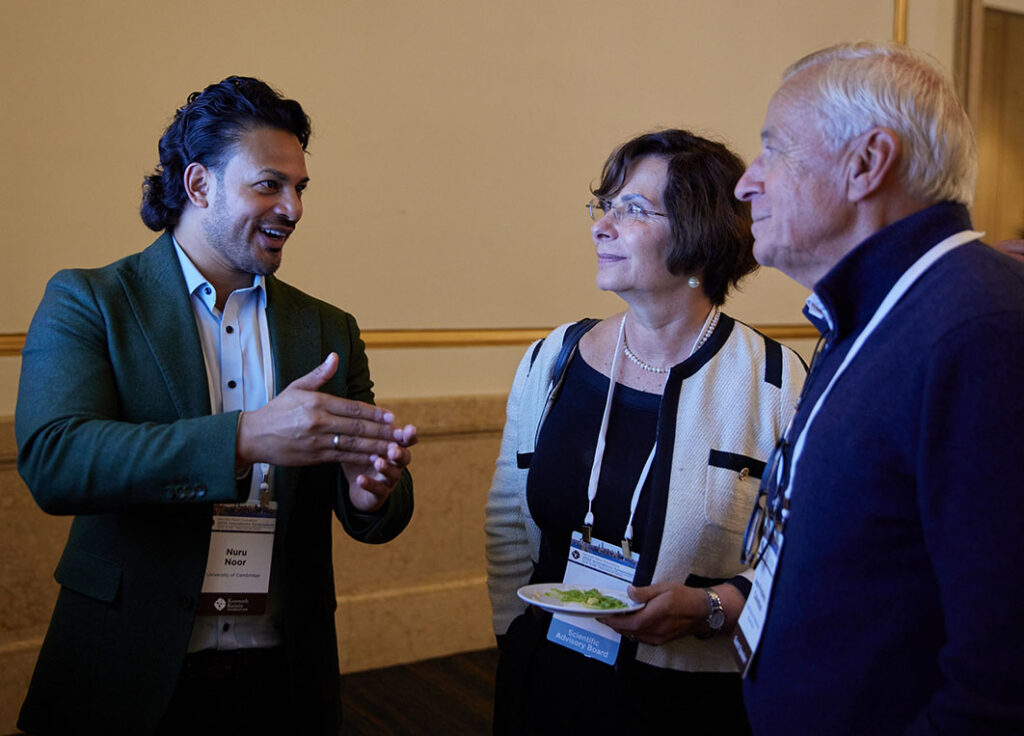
point(872, 162)
point(198, 184)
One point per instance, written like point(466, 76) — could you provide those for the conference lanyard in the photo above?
point(268, 381)
point(595, 470)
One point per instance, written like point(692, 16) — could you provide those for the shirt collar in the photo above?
point(199, 286)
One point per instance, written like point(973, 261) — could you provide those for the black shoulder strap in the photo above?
point(570, 340)
point(572, 337)
point(536, 351)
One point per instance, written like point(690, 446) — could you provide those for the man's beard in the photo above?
point(234, 246)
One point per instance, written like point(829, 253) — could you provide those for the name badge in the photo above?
point(238, 566)
point(750, 624)
point(593, 564)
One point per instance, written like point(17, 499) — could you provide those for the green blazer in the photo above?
point(114, 426)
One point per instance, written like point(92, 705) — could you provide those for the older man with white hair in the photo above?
point(886, 599)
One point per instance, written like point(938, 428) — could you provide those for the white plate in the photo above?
point(536, 595)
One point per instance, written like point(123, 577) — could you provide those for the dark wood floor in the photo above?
point(450, 695)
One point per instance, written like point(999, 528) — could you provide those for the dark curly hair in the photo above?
point(204, 130)
point(710, 228)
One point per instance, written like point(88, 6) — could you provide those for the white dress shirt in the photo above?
point(239, 373)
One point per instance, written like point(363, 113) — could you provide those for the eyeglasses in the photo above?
point(764, 518)
point(624, 212)
point(770, 514)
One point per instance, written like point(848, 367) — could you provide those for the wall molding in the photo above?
point(899, 21)
point(11, 343)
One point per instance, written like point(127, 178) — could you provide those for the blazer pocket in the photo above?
point(730, 489)
point(89, 575)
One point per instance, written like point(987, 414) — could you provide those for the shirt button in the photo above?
point(208, 291)
point(229, 329)
point(231, 384)
point(227, 627)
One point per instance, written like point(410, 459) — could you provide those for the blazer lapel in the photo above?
point(159, 298)
point(295, 336)
point(296, 345)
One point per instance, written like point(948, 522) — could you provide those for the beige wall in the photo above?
point(453, 146)
point(453, 141)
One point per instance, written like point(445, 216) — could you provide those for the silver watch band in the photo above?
point(716, 615)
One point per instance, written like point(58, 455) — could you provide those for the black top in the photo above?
point(556, 487)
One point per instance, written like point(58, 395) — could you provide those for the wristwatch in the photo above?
point(716, 618)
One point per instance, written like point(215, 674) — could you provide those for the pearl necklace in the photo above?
point(706, 331)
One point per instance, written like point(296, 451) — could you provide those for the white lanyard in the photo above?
point(268, 379)
point(595, 470)
point(900, 288)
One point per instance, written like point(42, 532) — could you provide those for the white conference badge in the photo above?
point(238, 566)
point(751, 621)
point(593, 564)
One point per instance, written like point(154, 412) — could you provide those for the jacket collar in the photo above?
point(846, 297)
point(159, 298)
point(296, 339)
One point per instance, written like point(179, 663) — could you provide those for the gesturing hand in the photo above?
point(370, 486)
point(304, 426)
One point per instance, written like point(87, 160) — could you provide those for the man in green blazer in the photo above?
point(183, 379)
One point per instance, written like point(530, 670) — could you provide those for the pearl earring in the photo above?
point(693, 282)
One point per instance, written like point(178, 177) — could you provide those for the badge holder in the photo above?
point(751, 621)
point(593, 564)
point(237, 576)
